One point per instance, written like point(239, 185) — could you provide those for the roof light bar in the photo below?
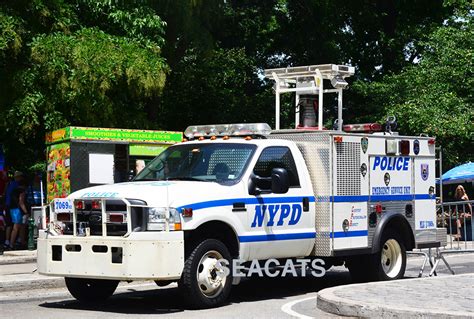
point(243, 129)
point(366, 127)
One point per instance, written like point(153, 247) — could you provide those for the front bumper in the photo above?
point(140, 256)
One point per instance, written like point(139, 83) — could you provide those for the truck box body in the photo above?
point(342, 192)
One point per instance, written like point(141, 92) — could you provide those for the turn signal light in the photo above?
point(96, 205)
point(187, 212)
point(337, 139)
point(378, 209)
point(80, 205)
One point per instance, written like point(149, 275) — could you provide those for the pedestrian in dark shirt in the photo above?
point(18, 212)
point(12, 185)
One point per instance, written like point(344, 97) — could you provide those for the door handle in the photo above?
point(239, 207)
point(305, 204)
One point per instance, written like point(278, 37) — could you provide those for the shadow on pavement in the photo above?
point(169, 300)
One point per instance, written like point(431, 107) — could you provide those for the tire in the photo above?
point(390, 262)
point(202, 283)
point(387, 264)
point(359, 268)
point(91, 290)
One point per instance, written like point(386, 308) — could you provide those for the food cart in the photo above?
point(80, 157)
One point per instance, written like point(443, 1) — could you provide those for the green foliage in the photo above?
point(435, 96)
point(10, 37)
point(221, 87)
point(104, 63)
point(91, 63)
point(73, 81)
point(132, 19)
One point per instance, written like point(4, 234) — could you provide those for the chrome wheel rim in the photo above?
point(210, 276)
point(391, 258)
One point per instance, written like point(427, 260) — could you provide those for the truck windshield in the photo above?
point(214, 162)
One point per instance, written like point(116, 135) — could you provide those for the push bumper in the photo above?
point(140, 256)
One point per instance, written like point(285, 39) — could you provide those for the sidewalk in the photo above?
point(18, 257)
point(429, 297)
point(18, 272)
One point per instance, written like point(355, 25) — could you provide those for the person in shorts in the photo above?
point(18, 212)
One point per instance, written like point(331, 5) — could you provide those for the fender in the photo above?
point(399, 222)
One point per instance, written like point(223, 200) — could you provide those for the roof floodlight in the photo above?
point(338, 82)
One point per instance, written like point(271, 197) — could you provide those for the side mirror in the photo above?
point(253, 188)
point(280, 181)
point(131, 175)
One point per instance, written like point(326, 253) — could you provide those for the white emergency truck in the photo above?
point(352, 195)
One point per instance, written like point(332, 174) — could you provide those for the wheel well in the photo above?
point(400, 225)
point(215, 230)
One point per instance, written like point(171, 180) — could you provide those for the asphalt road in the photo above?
point(256, 298)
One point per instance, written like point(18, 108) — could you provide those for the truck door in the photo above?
point(282, 225)
point(425, 200)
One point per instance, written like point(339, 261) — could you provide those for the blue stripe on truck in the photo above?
point(299, 199)
point(273, 237)
point(354, 233)
point(248, 201)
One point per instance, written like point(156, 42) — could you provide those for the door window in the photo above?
point(277, 157)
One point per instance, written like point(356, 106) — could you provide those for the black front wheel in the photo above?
point(204, 282)
point(91, 290)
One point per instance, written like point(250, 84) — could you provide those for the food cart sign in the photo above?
point(125, 135)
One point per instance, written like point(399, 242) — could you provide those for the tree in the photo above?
point(82, 62)
point(222, 87)
point(435, 96)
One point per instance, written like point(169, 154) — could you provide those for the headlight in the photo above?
point(158, 217)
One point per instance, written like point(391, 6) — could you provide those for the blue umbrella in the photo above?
point(460, 174)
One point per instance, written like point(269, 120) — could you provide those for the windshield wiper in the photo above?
point(147, 180)
point(185, 178)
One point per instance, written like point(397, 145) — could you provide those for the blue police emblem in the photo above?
point(364, 144)
point(425, 172)
point(416, 147)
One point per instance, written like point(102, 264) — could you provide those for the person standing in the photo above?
point(18, 212)
point(11, 186)
point(463, 211)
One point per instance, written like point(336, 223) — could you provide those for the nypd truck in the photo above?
point(357, 195)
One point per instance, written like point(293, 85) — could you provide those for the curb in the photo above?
point(17, 260)
point(18, 257)
point(328, 301)
point(26, 283)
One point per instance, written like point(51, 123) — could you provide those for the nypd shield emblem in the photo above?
point(364, 144)
point(425, 172)
point(416, 147)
